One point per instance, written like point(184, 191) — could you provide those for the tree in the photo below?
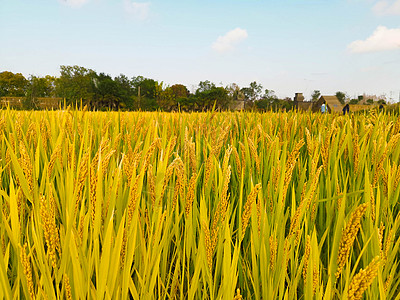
point(147, 86)
point(262, 104)
point(205, 86)
point(234, 92)
point(208, 95)
point(106, 92)
point(220, 96)
point(286, 104)
point(12, 85)
point(145, 91)
point(370, 101)
point(381, 101)
point(188, 104)
point(272, 102)
point(315, 95)
point(269, 95)
point(125, 91)
point(253, 92)
point(181, 97)
point(268, 99)
point(180, 91)
point(165, 97)
point(76, 83)
point(354, 101)
point(41, 86)
point(341, 97)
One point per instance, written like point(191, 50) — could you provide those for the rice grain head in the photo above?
point(363, 280)
point(348, 236)
point(247, 207)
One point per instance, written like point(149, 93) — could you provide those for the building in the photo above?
point(358, 107)
point(48, 103)
point(300, 104)
point(237, 105)
point(332, 102)
point(40, 103)
point(12, 102)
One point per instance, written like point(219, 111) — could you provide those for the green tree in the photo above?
point(208, 95)
point(181, 94)
point(268, 100)
point(316, 94)
point(262, 104)
point(125, 91)
point(147, 86)
point(188, 104)
point(341, 97)
point(381, 101)
point(180, 91)
point(165, 97)
point(205, 86)
point(234, 92)
point(354, 101)
point(370, 101)
point(75, 84)
point(269, 95)
point(39, 87)
point(106, 92)
point(253, 92)
point(12, 85)
point(145, 91)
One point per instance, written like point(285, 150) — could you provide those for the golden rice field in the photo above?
point(136, 205)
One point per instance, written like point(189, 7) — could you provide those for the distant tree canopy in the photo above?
point(13, 85)
point(100, 91)
point(381, 101)
point(253, 92)
point(105, 93)
point(341, 97)
point(316, 94)
point(353, 101)
point(76, 83)
point(269, 101)
point(208, 96)
point(41, 86)
point(234, 92)
point(180, 91)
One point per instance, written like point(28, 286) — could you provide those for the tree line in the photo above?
point(100, 91)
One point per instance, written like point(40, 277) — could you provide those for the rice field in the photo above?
point(232, 205)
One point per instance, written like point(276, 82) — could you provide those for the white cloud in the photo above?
point(385, 7)
point(381, 39)
point(228, 41)
point(139, 10)
point(74, 3)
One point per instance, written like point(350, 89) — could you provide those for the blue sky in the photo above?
point(286, 45)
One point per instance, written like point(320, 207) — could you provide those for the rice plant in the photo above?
point(231, 205)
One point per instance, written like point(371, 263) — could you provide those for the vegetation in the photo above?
point(315, 95)
point(341, 97)
point(152, 205)
point(102, 92)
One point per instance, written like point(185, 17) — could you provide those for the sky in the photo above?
point(288, 46)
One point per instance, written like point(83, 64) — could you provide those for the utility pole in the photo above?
point(139, 96)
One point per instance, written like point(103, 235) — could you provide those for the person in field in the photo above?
point(346, 109)
point(323, 108)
